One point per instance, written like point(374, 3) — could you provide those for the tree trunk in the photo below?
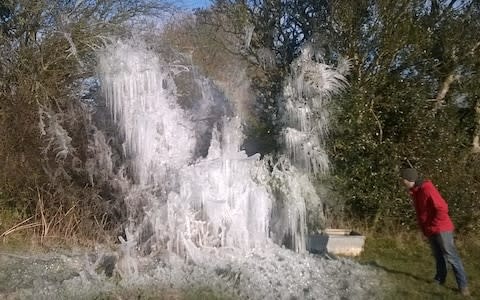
point(440, 99)
point(476, 137)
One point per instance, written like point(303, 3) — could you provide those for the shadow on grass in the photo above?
point(412, 276)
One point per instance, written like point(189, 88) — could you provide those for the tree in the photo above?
point(412, 97)
point(413, 92)
point(47, 68)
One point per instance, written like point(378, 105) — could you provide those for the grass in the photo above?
point(404, 259)
point(409, 266)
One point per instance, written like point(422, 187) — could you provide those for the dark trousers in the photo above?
point(443, 250)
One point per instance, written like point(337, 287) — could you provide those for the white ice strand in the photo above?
point(178, 202)
point(306, 95)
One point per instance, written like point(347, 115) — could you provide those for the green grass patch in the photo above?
point(409, 267)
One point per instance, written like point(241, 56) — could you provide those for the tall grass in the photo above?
point(56, 218)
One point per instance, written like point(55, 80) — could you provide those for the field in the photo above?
point(409, 266)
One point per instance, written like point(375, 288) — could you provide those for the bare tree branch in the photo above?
point(440, 99)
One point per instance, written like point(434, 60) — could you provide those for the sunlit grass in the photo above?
point(409, 267)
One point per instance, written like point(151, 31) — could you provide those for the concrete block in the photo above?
point(336, 241)
point(344, 242)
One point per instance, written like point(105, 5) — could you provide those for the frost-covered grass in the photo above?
point(268, 273)
point(153, 293)
point(409, 267)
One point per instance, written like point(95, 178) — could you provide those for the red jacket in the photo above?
point(431, 208)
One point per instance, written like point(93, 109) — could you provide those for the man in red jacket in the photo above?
point(436, 225)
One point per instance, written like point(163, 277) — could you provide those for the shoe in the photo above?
point(437, 280)
point(465, 292)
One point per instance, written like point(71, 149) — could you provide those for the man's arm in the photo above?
point(437, 209)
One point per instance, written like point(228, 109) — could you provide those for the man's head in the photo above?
point(409, 177)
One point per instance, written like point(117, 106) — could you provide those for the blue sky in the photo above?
point(195, 3)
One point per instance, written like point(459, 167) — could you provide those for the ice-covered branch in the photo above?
point(306, 94)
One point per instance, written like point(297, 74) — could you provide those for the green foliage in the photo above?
point(411, 99)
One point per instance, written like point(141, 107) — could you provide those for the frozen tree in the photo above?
point(306, 94)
